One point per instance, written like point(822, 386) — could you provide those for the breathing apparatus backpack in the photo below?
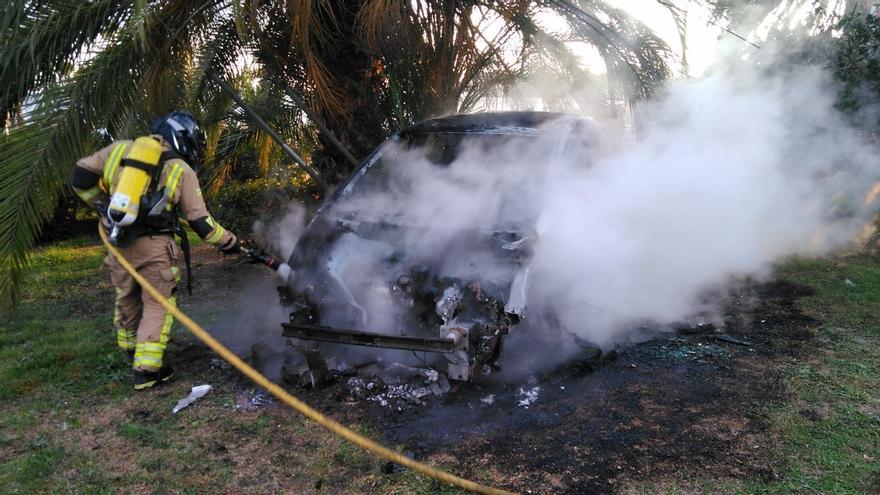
point(137, 206)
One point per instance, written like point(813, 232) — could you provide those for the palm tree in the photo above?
point(325, 71)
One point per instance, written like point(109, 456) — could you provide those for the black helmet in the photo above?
point(181, 130)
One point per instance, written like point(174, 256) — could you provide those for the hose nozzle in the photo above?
point(260, 256)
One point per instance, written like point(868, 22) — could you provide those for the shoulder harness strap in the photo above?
point(113, 163)
point(172, 181)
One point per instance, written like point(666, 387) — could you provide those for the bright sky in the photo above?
point(702, 38)
point(541, 93)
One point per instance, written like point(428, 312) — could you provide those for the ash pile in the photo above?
point(392, 385)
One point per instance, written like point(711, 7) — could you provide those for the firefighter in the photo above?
point(142, 188)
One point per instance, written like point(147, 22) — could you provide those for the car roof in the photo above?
point(476, 122)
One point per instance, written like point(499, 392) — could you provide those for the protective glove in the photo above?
point(235, 248)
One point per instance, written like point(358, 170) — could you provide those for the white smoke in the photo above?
point(279, 236)
point(733, 173)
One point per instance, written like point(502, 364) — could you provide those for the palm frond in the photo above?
point(39, 155)
point(679, 16)
point(635, 58)
point(107, 91)
point(42, 41)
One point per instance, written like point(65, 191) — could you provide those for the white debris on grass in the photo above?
point(527, 397)
point(195, 394)
point(489, 399)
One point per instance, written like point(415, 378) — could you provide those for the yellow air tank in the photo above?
point(134, 179)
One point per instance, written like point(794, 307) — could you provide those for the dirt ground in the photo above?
point(689, 402)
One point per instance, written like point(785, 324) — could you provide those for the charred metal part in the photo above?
point(490, 344)
point(459, 366)
point(304, 315)
point(470, 338)
point(302, 312)
point(477, 292)
point(357, 337)
point(460, 370)
point(731, 340)
point(449, 303)
point(403, 285)
point(314, 374)
point(458, 335)
point(514, 245)
point(481, 323)
point(285, 295)
point(262, 355)
point(519, 290)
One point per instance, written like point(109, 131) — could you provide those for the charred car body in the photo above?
point(370, 270)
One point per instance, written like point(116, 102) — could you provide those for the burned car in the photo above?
point(427, 246)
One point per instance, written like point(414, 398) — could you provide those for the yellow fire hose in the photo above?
point(289, 399)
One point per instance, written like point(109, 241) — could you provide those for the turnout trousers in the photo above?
point(142, 324)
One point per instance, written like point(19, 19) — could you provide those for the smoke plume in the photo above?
point(731, 173)
point(280, 235)
point(734, 173)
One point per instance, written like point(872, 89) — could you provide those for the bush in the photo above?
point(239, 204)
point(857, 67)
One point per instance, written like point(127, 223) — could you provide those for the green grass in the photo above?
point(143, 435)
point(69, 422)
point(26, 473)
point(837, 450)
point(59, 337)
point(829, 427)
point(56, 356)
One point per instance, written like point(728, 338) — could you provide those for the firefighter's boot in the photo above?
point(148, 379)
